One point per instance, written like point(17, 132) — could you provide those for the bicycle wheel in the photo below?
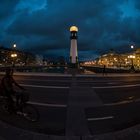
point(4, 105)
point(30, 113)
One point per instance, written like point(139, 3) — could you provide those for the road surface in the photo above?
point(101, 104)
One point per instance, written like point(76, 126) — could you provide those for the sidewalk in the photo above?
point(77, 75)
point(39, 74)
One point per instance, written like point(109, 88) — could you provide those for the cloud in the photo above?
point(44, 25)
point(31, 5)
point(7, 8)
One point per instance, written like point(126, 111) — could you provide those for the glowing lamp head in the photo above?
point(73, 29)
point(132, 47)
point(14, 45)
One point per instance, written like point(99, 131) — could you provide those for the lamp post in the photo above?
point(132, 57)
point(13, 56)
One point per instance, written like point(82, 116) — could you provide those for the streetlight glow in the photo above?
point(131, 56)
point(132, 47)
point(13, 55)
point(14, 45)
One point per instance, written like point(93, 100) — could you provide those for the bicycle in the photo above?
point(24, 109)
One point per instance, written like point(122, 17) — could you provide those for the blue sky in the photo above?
point(42, 26)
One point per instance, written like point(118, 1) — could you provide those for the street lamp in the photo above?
point(132, 47)
point(132, 57)
point(14, 46)
point(14, 56)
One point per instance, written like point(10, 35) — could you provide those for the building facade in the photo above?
point(116, 60)
point(21, 58)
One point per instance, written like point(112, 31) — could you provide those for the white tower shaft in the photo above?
point(73, 51)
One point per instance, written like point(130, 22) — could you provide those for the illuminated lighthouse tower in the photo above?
point(73, 48)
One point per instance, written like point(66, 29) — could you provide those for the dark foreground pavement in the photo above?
point(81, 108)
point(8, 132)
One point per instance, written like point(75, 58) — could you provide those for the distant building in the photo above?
point(116, 60)
point(23, 58)
point(61, 60)
point(39, 59)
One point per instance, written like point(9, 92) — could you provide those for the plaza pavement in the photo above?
point(8, 132)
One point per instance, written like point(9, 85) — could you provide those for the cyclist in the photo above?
point(8, 88)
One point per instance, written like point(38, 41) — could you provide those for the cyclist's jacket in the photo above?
point(7, 84)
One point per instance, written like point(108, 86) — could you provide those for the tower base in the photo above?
point(73, 69)
point(75, 66)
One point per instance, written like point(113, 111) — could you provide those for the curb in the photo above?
point(70, 75)
point(39, 74)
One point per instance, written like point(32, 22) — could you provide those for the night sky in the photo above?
point(42, 26)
